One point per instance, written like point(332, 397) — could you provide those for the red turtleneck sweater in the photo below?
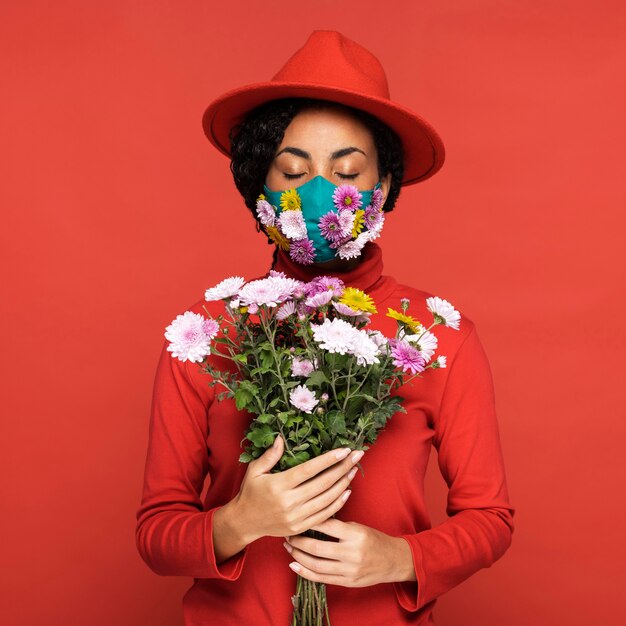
point(193, 436)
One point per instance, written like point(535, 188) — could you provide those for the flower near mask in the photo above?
point(319, 220)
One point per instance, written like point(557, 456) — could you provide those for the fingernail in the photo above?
point(357, 455)
point(287, 547)
point(351, 473)
point(295, 567)
point(343, 453)
point(346, 495)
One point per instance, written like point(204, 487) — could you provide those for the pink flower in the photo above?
point(286, 309)
point(330, 226)
point(377, 199)
point(265, 212)
point(301, 367)
point(190, 336)
point(303, 398)
point(406, 356)
point(302, 251)
point(292, 224)
point(319, 299)
point(348, 197)
point(324, 283)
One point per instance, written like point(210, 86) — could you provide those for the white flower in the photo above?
point(344, 309)
point(364, 348)
point(285, 310)
point(440, 360)
point(226, 289)
point(303, 398)
point(292, 224)
point(302, 367)
point(265, 212)
point(234, 303)
point(443, 312)
point(424, 341)
point(190, 336)
point(379, 339)
point(270, 291)
point(335, 336)
point(352, 249)
point(319, 299)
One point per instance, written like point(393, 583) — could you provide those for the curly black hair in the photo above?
point(255, 140)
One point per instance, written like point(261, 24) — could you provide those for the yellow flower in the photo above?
point(277, 237)
point(359, 220)
point(357, 300)
point(290, 200)
point(411, 322)
point(261, 197)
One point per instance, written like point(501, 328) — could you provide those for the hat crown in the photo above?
point(332, 59)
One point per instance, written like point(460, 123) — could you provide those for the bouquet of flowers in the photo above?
point(308, 368)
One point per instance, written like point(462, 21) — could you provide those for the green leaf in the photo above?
point(242, 358)
point(336, 422)
point(243, 398)
point(316, 379)
point(265, 418)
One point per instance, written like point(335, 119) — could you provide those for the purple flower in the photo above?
point(302, 251)
point(377, 199)
point(373, 217)
point(406, 356)
point(330, 226)
point(347, 197)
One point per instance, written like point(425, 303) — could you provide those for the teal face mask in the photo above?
point(320, 220)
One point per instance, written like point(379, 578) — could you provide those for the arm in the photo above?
point(480, 525)
point(174, 535)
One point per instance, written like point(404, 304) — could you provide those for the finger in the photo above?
point(317, 547)
point(317, 564)
point(320, 516)
point(334, 528)
point(328, 579)
point(327, 495)
point(328, 478)
point(300, 473)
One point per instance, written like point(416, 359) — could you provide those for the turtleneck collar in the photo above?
point(367, 275)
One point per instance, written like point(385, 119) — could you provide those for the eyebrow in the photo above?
point(335, 155)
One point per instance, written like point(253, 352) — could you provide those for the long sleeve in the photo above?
point(480, 524)
point(174, 535)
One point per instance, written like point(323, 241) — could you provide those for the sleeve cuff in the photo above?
point(410, 593)
point(231, 568)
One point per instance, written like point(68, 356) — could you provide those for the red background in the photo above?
point(117, 214)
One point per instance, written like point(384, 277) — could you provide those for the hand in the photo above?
point(363, 555)
point(291, 501)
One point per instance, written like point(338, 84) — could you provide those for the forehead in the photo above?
point(327, 127)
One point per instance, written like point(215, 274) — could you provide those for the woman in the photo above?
point(323, 121)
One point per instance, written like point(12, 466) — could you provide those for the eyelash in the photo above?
point(347, 176)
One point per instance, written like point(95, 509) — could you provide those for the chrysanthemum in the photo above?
point(225, 289)
point(285, 310)
point(292, 224)
point(443, 312)
point(270, 291)
point(303, 398)
point(358, 300)
point(319, 299)
point(302, 251)
point(324, 283)
point(302, 367)
point(406, 356)
point(290, 200)
point(347, 196)
point(411, 322)
point(364, 348)
point(377, 199)
point(424, 341)
point(352, 249)
point(190, 336)
point(440, 361)
point(375, 227)
point(346, 221)
point(373, 217)
point(265, 212)
point(278, 274)
point(330, 226)
point(378, 338)
point(334, 335)
point(344, 309)
point(277, 237)
point(359, 221)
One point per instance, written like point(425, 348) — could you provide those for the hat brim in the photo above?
point(424, 152)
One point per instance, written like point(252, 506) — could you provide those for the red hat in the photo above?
point(332, 67)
